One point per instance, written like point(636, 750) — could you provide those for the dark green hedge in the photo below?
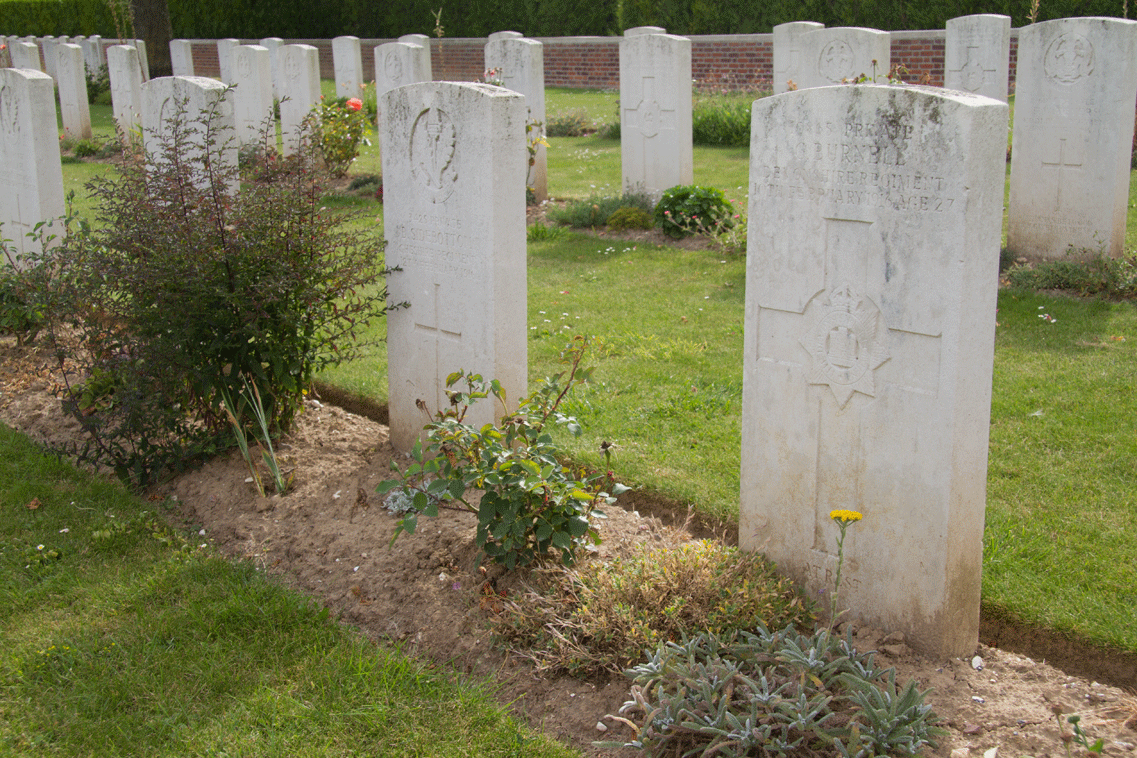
point(321, 19)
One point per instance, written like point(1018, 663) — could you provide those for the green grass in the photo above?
point(667, 391)
point(118, 637)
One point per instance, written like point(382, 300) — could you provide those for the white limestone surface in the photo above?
point(844, 53)
point(272, 44)
point(74, 109)
point(454, 216)
point(252, 95)
point(977, 54)
point(205, 111)
point(126, 88)
point(1075, 86)
point(872, 273)
point(789, 59)
point(181, 57)
point(347, 58)
point(300, 90)
point(521, 68)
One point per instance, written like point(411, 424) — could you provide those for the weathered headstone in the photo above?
point(48, 45)
point(872, 274)
point(397, 64)
point(74, 108)
point(789, 58)
point(977, 54)
point(655, 112)
point(126, 88)
point(842, 53)
point(181, 57)
point(272, 44)
point(503, 35)
point(25, 55)
point(143, 58)
point(637, 31)
point(29, 153)
point(348, 62)
point(521, 67)
point(1075, 87)
point(206, 112)
point(225, 58)
point(423, 64)
point(454, 214)
point(421, 40)
point(300, 83)
point(252, 95)
point(92, 52)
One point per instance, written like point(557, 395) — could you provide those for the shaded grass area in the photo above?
point(119, 637)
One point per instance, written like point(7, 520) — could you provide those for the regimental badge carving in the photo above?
point(836, 61)
point(244, 66)
point(846, 344)
point(649, 117)
point(433, 146)
point(9, 110)
point(393, 66)
point(292, 66)
point(1069, 57)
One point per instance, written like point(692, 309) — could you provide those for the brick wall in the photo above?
point(730, 61)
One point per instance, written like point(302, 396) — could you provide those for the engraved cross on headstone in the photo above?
point(1063, 162)
point(436, 333)
point(840, 342)
point(649, 117)
point(972, 73)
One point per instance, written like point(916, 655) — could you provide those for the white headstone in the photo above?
point(25, 55)
point(637, 31)
point(272, 44)
point(143, 58)
point(844, 53)
point(225, 58)
point(521, 68)
point(872, 274)
point(181, 57)
point(655, 113)
point(48, 44)
point(423, 64)
point(1075, 87)
point(73, 105)
point(29, 153)
point(348, 62)
point(126, 87)
point(204, 107)
point(503, 35)
point(252, 95)
point(92, 52)
point(789, 58)
point(421, 40)
point(977, 54)
point(397, 64)
point(300, 83)
point(454, 215)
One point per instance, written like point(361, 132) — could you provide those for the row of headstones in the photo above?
point(25, 52)
point(1073, 127)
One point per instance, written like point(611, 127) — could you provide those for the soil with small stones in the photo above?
point(329, 537)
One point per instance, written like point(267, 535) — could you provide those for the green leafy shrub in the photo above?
point(574, 124)
point(98, 82)
point(1093, 274)
point(21, 315)
point(721, 121)
point(682, 211)
point(540, 233)
point(86, 148)
point(188, 290)
point(774, 694)
point(630, 218)
point(341, 124)
point(595, 211)
point(602, 616)
point(532, 502)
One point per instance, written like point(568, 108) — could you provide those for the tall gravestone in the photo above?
point(789, 58)
point(74, 107)
point(423, 64)
point(655, 112)
point(348, 63)
point(143, 58)
point(398, 64)
point(872, 270)
point(637, 31)
point(521, 67)
point(181, 57)
point(300, 91)
point(225, 58)
point(92, 52)
point(252, 95)
point(454, 215)
point(1075, 87)
point(977, 54)
point(503, 35)
point(842, 53)
point(207, 117)
point(48, 45)
point(29, 153)
point(25, 55)
point(125, 71)
point(272, 44)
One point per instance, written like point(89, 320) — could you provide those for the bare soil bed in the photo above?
point(329, 537)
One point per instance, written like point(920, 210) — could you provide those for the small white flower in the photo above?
point(39, 547)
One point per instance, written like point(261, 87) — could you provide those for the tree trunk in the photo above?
point(151, 19)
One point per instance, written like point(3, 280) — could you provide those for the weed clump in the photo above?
point(574, 124)
point(595, 211)
point(603, 616)
point(1093, 274)
point(630, 218)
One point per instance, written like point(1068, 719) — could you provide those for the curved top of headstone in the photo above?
point(415, 39)
point(504, 35)
point(637, 31)
point(799, 25)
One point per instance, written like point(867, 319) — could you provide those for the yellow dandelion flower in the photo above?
point(846, 516)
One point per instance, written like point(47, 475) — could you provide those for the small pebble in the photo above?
point(601, 726)
point(977, 663)
point(978, 699)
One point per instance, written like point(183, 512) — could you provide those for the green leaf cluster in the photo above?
point(340, 131)
point(533, 504)
point(683, 211)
